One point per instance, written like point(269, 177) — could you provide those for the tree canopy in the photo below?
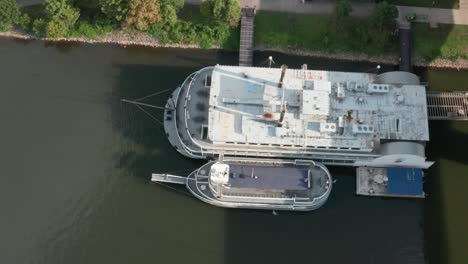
point(61, 18)
point(142, 13)
point(176, 4)
point(383, 23)
point(115, 9)
point(9, 14)
point(223, 11)
point(342, 9)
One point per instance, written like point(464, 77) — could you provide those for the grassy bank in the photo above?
point(445, 42)
point(317, 33)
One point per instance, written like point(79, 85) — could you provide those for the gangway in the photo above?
point(168, 178)
point(246, 37)
point(447, 105)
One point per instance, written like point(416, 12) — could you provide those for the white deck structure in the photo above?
point(339, 118)
point(325, 110)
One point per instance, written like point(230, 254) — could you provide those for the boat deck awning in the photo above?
point(273, 178)
point(405, 182)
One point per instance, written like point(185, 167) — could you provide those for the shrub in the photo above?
point(92, 30)
point(221, 11)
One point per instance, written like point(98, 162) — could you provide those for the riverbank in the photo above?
point(123, 38)
point(137, 38)
point(460, 64)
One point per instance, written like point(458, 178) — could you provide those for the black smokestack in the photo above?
point(283, 72)
point(282, 113)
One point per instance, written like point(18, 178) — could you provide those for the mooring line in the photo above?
point(156, 93)
point(150, 115)
point(174, 189)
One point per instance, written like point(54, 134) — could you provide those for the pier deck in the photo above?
point(447, 105)
point(246, 37)
point(168, 178)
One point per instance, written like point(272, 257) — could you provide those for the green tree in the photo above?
point(24, 22)
point(342, 9)
point(61, 17)
point(169, 14)
point(142, 13)
point(176, 4)
point(382, 23)
point(222, 11)
point(115, 9)
point(39, 27)
point(9, 14)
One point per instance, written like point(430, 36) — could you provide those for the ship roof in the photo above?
point(325, 109)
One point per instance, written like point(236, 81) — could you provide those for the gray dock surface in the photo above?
point(246, 37)
point(447, 105)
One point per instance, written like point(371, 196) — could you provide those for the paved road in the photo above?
point(326, 7)
point(23, 3)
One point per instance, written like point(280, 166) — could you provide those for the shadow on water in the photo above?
point(441, 148)
point(151, 148)
point(446, 142)
point(150, 151)
point(347, 229)
point(314, 63)
point(444, 145)
point(63, 47)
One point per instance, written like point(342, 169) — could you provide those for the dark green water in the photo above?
point(76, 164)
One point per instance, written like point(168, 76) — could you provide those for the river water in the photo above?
point(76, 164)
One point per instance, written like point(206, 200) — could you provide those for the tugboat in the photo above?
point(299, 185)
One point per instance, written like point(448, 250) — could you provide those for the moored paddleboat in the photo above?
point(301, 185)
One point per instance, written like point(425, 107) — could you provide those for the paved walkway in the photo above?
point(23, 3)
point(437, 15)
point(327, 7)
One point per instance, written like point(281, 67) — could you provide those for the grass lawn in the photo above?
point(317, 33)
point(445, 42)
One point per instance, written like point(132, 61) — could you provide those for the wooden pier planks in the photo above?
point(246, 37)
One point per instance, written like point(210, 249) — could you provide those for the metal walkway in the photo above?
point(246, 37)
point(168, 178)
point(447, 105)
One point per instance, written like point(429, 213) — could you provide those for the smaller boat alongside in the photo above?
point(301, 185)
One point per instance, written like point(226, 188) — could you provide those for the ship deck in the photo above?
point(267, 177)
point(271, 189)
point(221, 110)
